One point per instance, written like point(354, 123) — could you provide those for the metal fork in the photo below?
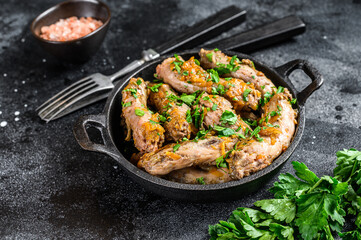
point(87, 90)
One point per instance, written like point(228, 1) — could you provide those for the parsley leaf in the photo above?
point(175, 147)
point(245, 94)
point(187, 99)
point(188, 116)
point(153, 122)
point(133, 91)
point(139, 112)
point(214, 77)
point(200, 180)
point(127, 104)
point(155, 88)
point(228, 117)
point(280, 89)
point(214, 107)
point(280, 209)
point(209, 56)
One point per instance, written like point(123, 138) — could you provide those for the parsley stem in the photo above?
point(316, 185)
point(353, 170)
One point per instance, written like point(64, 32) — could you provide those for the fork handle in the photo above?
point(130, 67)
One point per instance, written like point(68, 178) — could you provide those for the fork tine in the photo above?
point(81, 93)
point(72, 102)
point(64, 91)
point(66, 94)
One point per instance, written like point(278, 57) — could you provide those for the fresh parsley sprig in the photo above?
point(305, 207)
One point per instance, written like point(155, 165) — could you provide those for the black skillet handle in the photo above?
point(263, 36)
point(317, 80)
point(204, 30)
point(81, 135)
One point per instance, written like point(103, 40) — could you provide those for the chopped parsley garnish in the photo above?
point(153, 122)
point(271, 125)
point(266, 99)
point(255, 133)
point(127, 104)
point(263, 86)
point(139, 112)
point(219, 90)
point(228, 117)
point(253, 76)
point(267, 95)
point(245, 94)
point(214, 77)
point(177, 63)
point(162, 118)
point(177, 57)
point(250, 123)
point(167, 107)
point(197, 62)
point(214, 107)
point(188, 116)
point(187, 99)
point(216, 49)
point(200, 180)
point(231, 67)
point(133, 91)
point(209, 56)
point(278, 112)
point(221, 161)
point(198, 98)
point(280, 89)
point(293, 101)
point(155, 88)
point(201, 134)
point(185, 73)
point(139, 81)
point(175, 147)
point(198, 116)
point(223, 131)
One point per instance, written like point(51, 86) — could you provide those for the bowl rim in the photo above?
point(51, 9)
point(143, 175)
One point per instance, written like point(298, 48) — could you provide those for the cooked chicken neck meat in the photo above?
point(218, 111)
point(189, 77)
point(164, 99)
point(243, 69)
point(277, 129)
point(186, 154)
point(147, 134)
point(193, 175)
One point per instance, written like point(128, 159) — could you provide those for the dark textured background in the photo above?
point(51, 188)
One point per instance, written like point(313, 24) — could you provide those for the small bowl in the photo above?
point(77, 50)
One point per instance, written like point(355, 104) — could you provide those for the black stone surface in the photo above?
point(51, 188)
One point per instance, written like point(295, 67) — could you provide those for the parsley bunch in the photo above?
point(305, 207)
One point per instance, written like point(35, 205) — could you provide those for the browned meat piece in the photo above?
point(176, 126)
point(213, 107)
point(246, 70)
point(189, 77)
point(277, 129)
point(193, 175)
point(186, 154)
point(147, 134)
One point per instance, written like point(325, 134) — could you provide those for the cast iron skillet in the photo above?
point(108, 123)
